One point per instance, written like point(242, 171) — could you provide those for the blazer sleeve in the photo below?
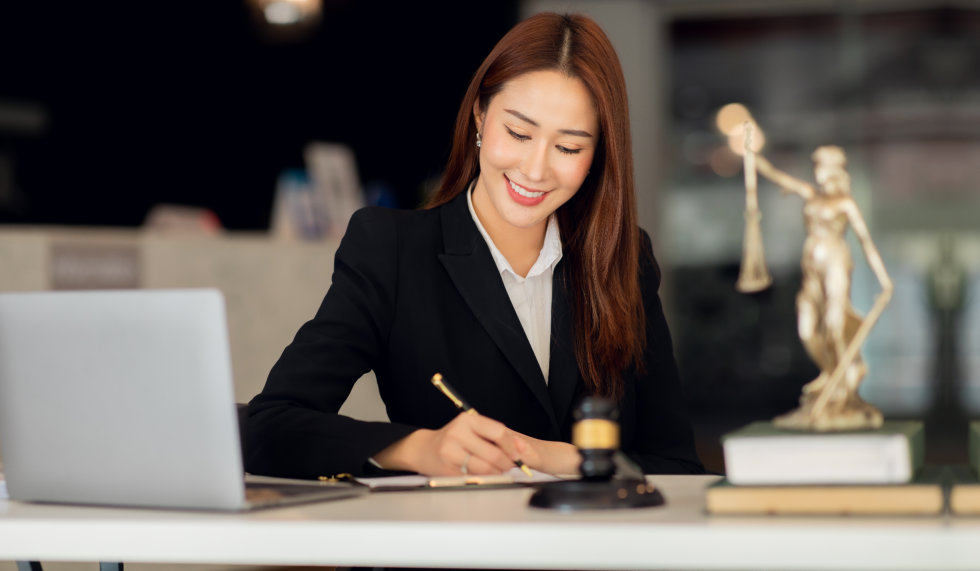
point(293, 429)
point(663, 439)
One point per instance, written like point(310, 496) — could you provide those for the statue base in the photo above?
point(855, 414)
point(605, 495)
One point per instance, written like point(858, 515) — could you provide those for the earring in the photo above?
point(479, 142)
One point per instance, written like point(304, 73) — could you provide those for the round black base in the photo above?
point(585, 495)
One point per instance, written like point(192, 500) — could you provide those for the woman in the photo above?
point(526, 283)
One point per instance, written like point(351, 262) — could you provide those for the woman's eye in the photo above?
point(518, 136)
point(567, 151)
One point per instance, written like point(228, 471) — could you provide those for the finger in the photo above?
point(461, 461)
point(491, 458)
point(495, 432)
point(521, 446)
point(453, 459)
point(491, 440)
point(479, 467)
point(457, 443)
point(462, 440)
point(525, 451)
point(465, 433)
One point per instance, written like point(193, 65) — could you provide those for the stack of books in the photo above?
point(775, 471)
point(964, 486)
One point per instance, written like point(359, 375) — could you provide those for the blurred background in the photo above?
point(215, 110)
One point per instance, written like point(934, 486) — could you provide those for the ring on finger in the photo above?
point(466, 461)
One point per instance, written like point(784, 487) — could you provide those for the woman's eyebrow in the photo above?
point(525, 118)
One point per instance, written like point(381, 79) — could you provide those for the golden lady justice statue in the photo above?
point(831, 330)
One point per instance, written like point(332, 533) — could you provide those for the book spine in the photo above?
point(917, 448)
point(974, 446)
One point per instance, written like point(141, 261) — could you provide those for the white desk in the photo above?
point(492, 528)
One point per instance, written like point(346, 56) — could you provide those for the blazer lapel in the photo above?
point(468, 261)
point(563, 378)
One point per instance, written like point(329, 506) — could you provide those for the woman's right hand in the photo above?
point(468, 444)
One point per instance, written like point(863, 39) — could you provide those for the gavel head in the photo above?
point(596, 435)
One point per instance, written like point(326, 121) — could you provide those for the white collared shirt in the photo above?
point(530, 295)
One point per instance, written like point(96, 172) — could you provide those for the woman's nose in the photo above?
point(535, 165)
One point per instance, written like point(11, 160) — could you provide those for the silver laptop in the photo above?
point(125, 398)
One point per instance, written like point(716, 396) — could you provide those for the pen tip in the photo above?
point(523, 467)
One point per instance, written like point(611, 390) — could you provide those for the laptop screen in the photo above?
point(119, 397)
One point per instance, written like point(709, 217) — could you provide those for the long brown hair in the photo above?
point(600, 237)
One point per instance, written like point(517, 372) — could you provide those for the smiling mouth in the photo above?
point(523, 191)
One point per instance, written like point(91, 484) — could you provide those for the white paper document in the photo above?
point(411, 481)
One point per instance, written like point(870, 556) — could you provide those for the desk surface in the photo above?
point(489, 528)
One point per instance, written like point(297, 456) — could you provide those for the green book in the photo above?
point(761, 454)
point(974, 445)
point(964, 490)
point(964, 484)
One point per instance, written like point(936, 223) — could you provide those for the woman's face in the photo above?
point(539, 134)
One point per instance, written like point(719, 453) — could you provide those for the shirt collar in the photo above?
point(548, 257)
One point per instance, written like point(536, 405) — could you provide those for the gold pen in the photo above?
point(462, 405)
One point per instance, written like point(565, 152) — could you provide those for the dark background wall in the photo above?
point(136, 103)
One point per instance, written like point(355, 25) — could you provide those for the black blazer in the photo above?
point(415, 293)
